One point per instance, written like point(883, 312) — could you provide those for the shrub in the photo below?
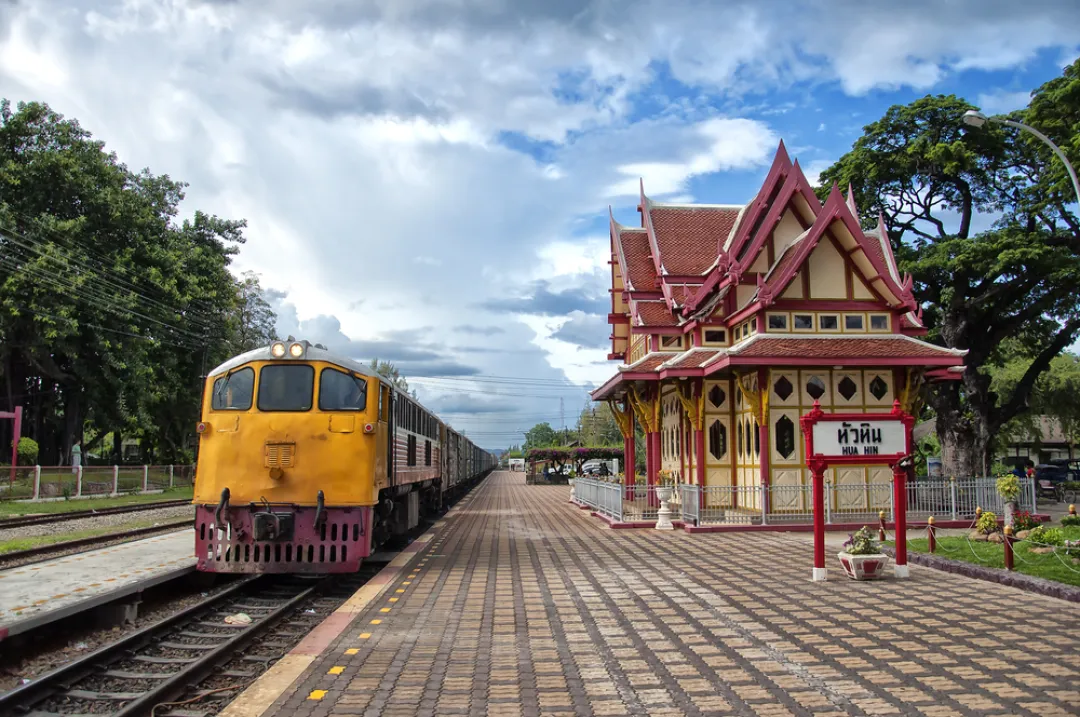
point(1047, 536)
point(1023, 521)
point(1008, 486)
point(28, 451)
point(987, 522)
point(1070, 521)
point(861, 543)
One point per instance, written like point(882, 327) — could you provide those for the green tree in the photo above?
point(541, 435)
point(1053, 396)
point(107, 306)
point(389, 371)
point(929, 176)
point(253, 320)
point(596, 426)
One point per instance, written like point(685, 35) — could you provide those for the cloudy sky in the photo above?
point(428, 180)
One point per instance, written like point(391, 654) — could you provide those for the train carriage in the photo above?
point(308, 461)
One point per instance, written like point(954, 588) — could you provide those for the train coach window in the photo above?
point(232, 392)
point(286, 388)
point(340, 391)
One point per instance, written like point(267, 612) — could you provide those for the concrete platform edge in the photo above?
point(283, 676)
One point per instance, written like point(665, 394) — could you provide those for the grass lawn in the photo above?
point(8, 546)
point(992, 555)
point(63, 506)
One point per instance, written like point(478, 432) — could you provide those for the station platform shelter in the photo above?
point(517, 603)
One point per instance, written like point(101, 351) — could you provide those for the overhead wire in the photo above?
point(100, 259)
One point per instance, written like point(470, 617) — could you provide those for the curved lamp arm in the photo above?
point(1050, 144)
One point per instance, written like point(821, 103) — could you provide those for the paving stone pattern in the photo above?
point(524, 605)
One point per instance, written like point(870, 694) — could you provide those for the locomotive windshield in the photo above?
point(232, 392)
point(340, 391)
point(286, 387)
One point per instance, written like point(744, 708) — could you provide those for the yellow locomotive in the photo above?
point(309, 460)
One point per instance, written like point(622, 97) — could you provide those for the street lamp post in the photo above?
point(978, 119)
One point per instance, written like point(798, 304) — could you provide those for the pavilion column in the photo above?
point(653, 448)
point(763, 436)
point(629, 451)
point(699, 432)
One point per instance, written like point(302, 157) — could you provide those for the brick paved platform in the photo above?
point(522, 604)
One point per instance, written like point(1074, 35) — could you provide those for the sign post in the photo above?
point(858, 439)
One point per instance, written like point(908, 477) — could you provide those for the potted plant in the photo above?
point(1008, 487)
point(861, 557)
point(665, 485)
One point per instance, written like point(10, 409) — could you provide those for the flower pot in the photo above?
point(664, 493)
point(864, 567)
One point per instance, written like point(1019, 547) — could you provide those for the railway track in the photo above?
point(163, 667)
point(19, 521)
point(17, 556)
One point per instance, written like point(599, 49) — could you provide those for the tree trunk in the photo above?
point(965, 440)
point(117, 447)
point(72, 423)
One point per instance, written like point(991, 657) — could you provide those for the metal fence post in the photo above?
point(828, 501)
point(78, 482)
point(115, 480)
point(170, 475)
point(37, 483)
point(892, 501)
point(1034, 495)
point(952, 496)
point(764, 510)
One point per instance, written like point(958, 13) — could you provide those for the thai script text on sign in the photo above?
point(859, 438)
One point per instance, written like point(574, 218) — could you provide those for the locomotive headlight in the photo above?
point(296, 350)
point(277, 349)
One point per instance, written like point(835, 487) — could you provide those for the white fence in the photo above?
point(793, 504)
point(40, 483)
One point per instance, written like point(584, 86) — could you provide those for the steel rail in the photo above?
point(201, 668)
point(40, 519)
point(22, 699)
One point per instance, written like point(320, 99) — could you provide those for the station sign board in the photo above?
point(857, 437)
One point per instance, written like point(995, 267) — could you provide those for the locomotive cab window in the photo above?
point(286, 388)
point(232, 392)
point(340, 391)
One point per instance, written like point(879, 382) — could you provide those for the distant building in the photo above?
point(517, 464)
point(1046, 444)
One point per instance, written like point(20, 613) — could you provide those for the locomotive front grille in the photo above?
point(280, 455)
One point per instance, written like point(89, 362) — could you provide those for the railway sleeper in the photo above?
point(125, 675)
point(158, 660)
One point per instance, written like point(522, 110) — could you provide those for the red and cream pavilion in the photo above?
point(732, 320)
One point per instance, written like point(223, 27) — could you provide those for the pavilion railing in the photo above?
point(793, 504)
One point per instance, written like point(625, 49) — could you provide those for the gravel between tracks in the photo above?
point(98, 521)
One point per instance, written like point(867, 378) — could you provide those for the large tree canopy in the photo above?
point(981, 217)
point(110, 308)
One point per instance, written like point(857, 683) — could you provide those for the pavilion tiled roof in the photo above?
point(650, 362)
point(639, 267)
point(655, 313)
point(689, 237)
point(695, 358)
point(828, 348)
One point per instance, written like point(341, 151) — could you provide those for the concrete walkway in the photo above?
point(30, 593)
point(522, 604)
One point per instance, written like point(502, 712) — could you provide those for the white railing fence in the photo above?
point(793, 504)
point(43, 483)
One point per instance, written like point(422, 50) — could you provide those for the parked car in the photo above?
point(1069, 466)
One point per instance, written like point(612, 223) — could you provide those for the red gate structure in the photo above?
point(17, 415)
point(859, 439)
